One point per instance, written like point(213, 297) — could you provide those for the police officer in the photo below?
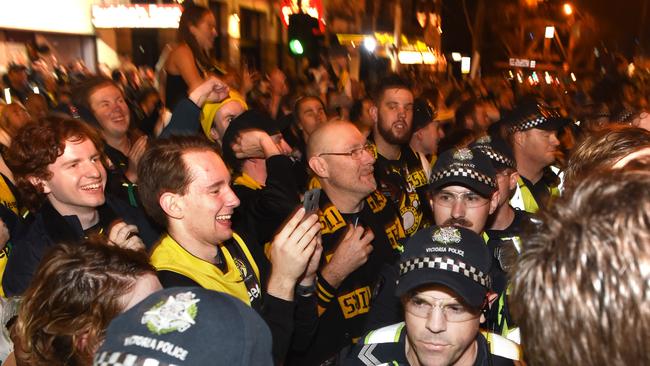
point(531, 128)
point(443, 286)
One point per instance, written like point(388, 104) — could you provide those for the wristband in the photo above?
point(305, 291)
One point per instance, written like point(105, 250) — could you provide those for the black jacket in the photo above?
point(343, 310)
point(50, 228)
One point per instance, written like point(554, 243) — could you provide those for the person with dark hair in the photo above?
point(77, 290)
point(59, 172)
point(254, 149)
point(398, 170)
point(427, 132)
point(472, 115)
point(580, 288)
point(189, 63)
point(185, 187)
point(444, 288)
point(360, 116)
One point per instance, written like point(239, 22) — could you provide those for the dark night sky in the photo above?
point(617, 22)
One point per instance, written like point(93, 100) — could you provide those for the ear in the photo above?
point(214, 134)
point(491, 297)
point(319, 166)
point(40, 183)
point(418, 134)
point(519, 138)
point(374, 113)
point(494, 201)
point(512, 181)
point(172, 205)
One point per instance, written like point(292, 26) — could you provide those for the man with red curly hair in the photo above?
point(59, 169)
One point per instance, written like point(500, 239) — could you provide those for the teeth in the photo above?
point(90, 187)
point(223, 217)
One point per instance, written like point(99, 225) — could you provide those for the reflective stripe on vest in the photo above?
point(389, 334)
point(503, 347)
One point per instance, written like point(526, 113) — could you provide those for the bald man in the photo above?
point(360, 233)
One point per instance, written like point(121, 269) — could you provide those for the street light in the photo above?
point(568, 9)
point(549, 32)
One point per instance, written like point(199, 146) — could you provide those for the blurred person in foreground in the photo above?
point(580, 289)
point(76, 292)
point(192, 327)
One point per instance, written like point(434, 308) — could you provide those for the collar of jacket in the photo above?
point(68, 228)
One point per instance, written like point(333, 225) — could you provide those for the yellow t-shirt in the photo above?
point(168, 255)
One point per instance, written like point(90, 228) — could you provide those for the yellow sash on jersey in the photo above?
point(247, 181)
point(168, 255)
point(7, 199)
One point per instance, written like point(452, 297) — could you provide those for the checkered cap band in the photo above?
point(125, 359)
point(446, 264)
point(499, 158)
point(463, 172)
point(527, 123)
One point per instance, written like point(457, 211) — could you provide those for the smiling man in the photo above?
point(185, 187)
point(361, 231)
point(443, 286)
point(59, 171)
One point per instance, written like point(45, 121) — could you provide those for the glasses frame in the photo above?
point(445, 306)
point(457, 197)
point(355, 153)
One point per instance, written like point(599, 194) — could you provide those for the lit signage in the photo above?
point(313, 8)
point(136, 16)
point(522, 62)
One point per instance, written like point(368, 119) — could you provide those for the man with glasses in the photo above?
point(463, 194)
point(463, 189)
point(444, 287)
point(360, 233)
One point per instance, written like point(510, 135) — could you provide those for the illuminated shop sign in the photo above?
point(136, 16)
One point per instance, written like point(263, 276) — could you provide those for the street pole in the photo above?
point(397, 34)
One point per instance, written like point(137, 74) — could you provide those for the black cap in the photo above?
point(497, 150)
point(467, 167)
point(423, 113)
point(187, 326)
point(454, 257)
point(533, 113)
point(249, 120)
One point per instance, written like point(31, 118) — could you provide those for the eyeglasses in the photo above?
point(454, 312)
point(469, 199)
point(355, 153)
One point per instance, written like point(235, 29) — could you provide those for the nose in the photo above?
point(436, 323)
point(94, 169)
point(458, 209)
point(554, 140)
point(231, 198)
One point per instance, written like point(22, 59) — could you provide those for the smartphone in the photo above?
point(310, 201)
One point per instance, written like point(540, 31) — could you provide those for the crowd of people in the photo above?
point(203, 215)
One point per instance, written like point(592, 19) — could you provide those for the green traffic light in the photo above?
point(296, 47)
